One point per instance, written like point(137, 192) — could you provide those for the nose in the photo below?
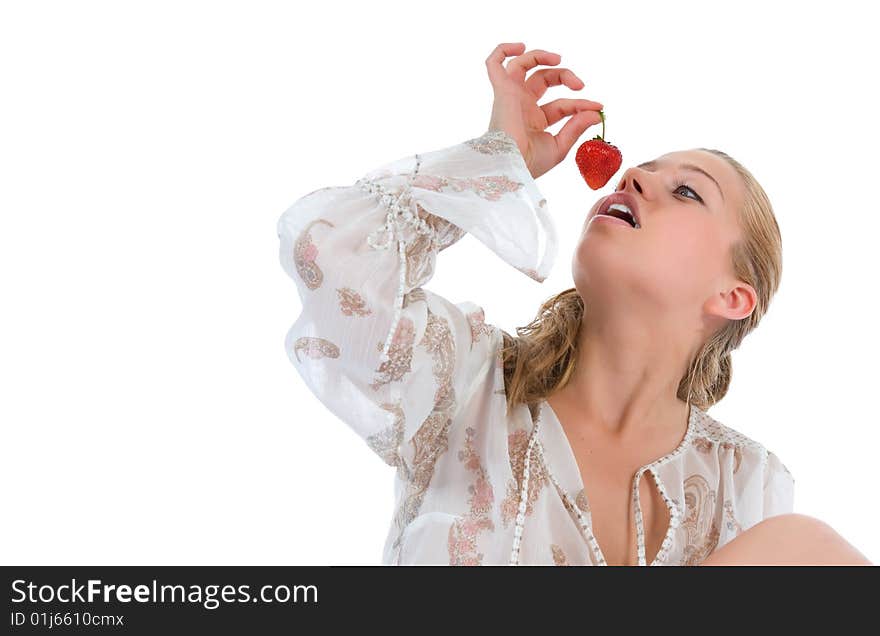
point(630, 176)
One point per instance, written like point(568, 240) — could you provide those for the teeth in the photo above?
point(622, 207)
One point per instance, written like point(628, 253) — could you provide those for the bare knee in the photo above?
point(788, 539)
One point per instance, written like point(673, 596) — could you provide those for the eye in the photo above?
point(682, 184)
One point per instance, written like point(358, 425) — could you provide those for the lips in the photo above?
point(621, 197)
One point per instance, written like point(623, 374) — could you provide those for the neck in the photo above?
point(626, 376)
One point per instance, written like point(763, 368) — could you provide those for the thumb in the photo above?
point(574, 128)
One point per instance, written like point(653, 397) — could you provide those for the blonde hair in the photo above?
point(542, 357)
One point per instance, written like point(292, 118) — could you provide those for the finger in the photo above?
point(573, 129)
point(519, 65)
point(542, 79)
point(494, 63)
point(563, 107)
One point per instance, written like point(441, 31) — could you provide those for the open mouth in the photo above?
point(621, 213)
point(623, 207)
point(610, 218)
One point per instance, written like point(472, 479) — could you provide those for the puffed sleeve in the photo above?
point(778, 487)
point(390, 358)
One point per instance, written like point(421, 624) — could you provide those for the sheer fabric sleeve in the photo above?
point(390, 358)
point(778, 488)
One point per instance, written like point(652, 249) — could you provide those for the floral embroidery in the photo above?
point(517, 443)
point(703, 444)
point(494, 142)
point(352, 303)
point(699, 525)
point(428, 182)
point(432, 438)
point(558, 555)
point(400, 354)
point(489, 187)
point(440, 343)
point(304, 254)
point(477, 321)
point(462, 541)
point(732, 524)
point(315, 348)
point(387, 442)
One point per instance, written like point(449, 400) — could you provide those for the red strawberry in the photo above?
point(597, 159)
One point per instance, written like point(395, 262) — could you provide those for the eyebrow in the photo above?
point(685, 166)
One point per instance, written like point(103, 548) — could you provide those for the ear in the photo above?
point(734, 303)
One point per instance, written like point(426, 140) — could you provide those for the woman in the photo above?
point(532, 449)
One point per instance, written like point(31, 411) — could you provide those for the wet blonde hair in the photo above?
point(541, 358)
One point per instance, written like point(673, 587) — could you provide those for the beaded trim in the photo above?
point(401, 212)
point(674, 512)
point(582, 521)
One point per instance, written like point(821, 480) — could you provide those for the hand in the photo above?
point(516, 112)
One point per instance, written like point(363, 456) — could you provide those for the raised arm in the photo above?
point(386, 355)
point(378, 349)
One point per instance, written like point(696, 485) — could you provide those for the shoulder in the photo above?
point(710, 432)
point(713, 436)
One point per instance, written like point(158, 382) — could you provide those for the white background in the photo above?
point(149, 412)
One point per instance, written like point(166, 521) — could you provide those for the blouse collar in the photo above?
point(558, 449)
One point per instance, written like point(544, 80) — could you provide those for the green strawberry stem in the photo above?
point(602, 136)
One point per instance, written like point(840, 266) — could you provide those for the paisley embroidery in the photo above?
point(420, 257)
point(432, 438)
point(304, 254)
point(699, 524)
point(352, 303)
point(517, 443)
point(315, 348)
point(400, 354)
point(494, 142)
point(558, 555)
point(477, 321)
point(489, 187)
point(580, 500)
point(429, 442)
point(387, 442)
point(462, 541)
point(416, 295)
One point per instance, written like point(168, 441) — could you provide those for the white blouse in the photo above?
point(419, 378)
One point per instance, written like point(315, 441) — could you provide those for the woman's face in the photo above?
point(680, 257)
